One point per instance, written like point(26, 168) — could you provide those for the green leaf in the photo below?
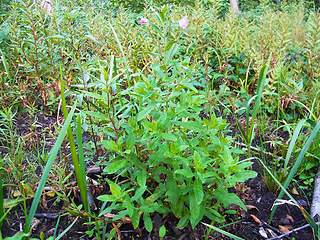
point(169, 137)
point(227, 157)
point(195, 221)
point(162, 231)
point(214, 215)
point(18, 236)
point(120, 215)
point(230, 211)
point(135, 219)
point(142, 114)
point(142, 178)
point(147, 222)
point(186, 172)
point(198, 191)
point(150, 207)
point(169, 45)
point(117, 165)
point(130, 208)
point(243, 176)
point(156, 29)
point(56, 36)
point(194, 207)
point(107, 198)
point(183, 221)
point(139, 193)
point(197, 161)
point(96, 115)
point(173, 148)
point(189, 86)
point(115, 189)
point(191, 125)
point(111, 145)
point(226, 198)
point(130, 140)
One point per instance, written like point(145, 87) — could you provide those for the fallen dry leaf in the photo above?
point(290, 218)
point(124, 219)
point(109, 215)
point(257, 220)
point(35, 223)
point(263, 232)
point(295, 191)
point(285, 228)
point(9, 169)
point(272, 233)
point(250, 207)
point(43, 201)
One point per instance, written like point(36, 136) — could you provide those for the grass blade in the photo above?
point(122, 52)
point(79, 171)
point(66, 230)
point(293, 141)
point(1, 202)
point(262, 82)
point(223, 232)
point(52, 156)
point(81, 161)
point(306, 215)
point(5, 64)
point(297, 164)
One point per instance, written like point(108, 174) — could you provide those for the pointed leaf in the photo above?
point(198, 191)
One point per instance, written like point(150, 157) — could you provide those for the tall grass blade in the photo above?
point(5, 64)
point(313, 103)
point(79, 171)
point(297, 164)
point(293, 141)
point(262, 82)
point(306, 215)
point(52, 156)
point(66, 230)
point(81, 159)
point(311, 222)
point(1, 201)
point(122, 52)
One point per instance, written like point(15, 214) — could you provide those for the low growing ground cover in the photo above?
point(171, 122)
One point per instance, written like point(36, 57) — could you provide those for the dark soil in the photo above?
point(249, 224)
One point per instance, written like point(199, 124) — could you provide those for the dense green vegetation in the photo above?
point(152, 86)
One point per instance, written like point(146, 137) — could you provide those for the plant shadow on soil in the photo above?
point(249, 224)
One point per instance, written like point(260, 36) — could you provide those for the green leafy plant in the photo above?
point(171, 157)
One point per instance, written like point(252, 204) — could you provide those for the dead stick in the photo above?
point(315, 206)
point(259, 150)
point(292, 231)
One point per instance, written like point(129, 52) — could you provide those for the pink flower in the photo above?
point(143, 21)
point(183, 23)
